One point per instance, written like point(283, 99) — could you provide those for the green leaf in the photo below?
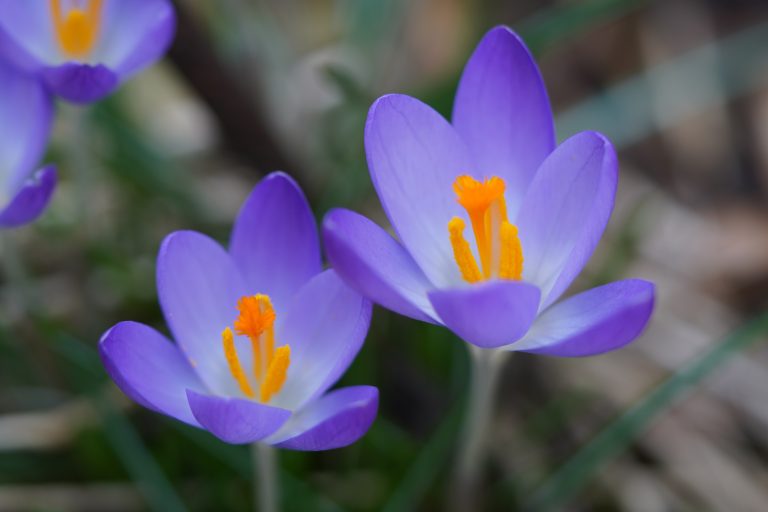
point(617, 436)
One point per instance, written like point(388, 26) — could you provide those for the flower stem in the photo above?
point(486, 366)
point(81, 160)
point(265, 477)
point(15, 273)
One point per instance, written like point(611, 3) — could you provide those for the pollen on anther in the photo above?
point(511, 259)
point(233, 361)
point(462, 252)
point(276, 373)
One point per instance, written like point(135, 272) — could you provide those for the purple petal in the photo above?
point(274, 242)
point(27, 36)
point(235, 420)
point(502, 112)
point(376, 265)
point(414, 156)
point(336, 420)
point(26, 112)
point(81, 83)
point(135, 34)
point(596, 321)
point(149, 369)
point(199, 287)
point(566, 210)
point(488, 315)
point(31, 200)
point(325, 327)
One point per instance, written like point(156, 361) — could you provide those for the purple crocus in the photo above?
point(494, 219)
point(262, 333)
point(84, 49)
point(25, 124)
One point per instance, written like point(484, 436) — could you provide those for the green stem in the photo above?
point(81, 160)
point(15, 273)
point(486, 366)
point(265, 477)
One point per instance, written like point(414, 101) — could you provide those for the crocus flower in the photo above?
point(84, 49)
point(261, 331)
point(494, 220)
point(25, 123)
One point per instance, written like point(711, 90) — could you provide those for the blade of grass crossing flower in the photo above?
point(577, 472)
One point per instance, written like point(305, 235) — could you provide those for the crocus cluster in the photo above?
point(78, 50)
point(493, 219)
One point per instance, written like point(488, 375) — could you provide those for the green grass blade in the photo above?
point(557, 23)
point(137, 460)
point(626, 112)
point(615, 438)
point(427, 466)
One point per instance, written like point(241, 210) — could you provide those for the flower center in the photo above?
point(270, 365)
point(78, 28)
point(497, 241)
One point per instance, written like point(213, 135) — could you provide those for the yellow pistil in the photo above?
point(257, 320)
point(235, 368)
point(497, 241)
point(270, 366)
point(78, 29)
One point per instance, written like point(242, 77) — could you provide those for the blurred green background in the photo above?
point(676, 422)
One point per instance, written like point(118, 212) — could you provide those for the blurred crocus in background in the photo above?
point(84, 49)
point(25, 123)
point(262, 331)
point(494, 220)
